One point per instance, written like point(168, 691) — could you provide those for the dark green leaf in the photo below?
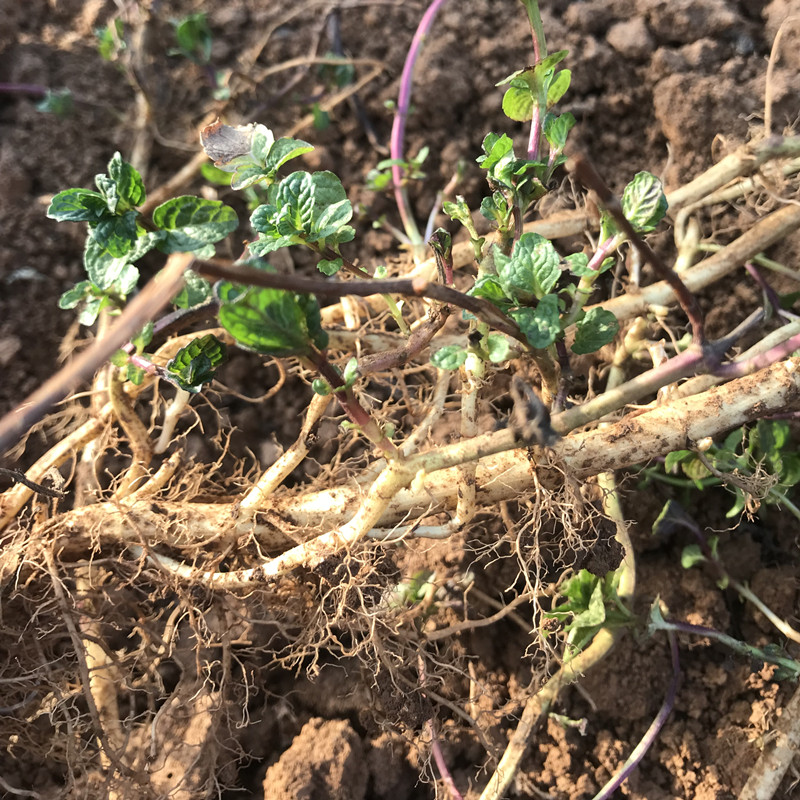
point(77, 205)
point(541, 324)
point(196, 364)
point(130, 187)
point(597, 328)
point(269, 321)
point(192, 223)
point(117, 234)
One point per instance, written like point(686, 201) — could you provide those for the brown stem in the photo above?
point(413, 287)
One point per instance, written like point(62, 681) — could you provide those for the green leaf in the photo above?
point(75, 295)
point(195, 292)
point(104, 269)
point(303, 207)
point(558, 88)
point(451, 356)
point(129, 183)
point(271, 321)
point(532, 270)
point(214, 174)
point(518, 101)
point(579, 265)
point(117, 233)
point(644, 202)
point(143, 338)
point(673, 459)
point(540, 325)
point(597, 328)
point(196, 364)
point(495, 148)
point(329, 268)
point(497, 347)
point(192, 223)
point(194, 38)
point(321, 387)
point(350, 374)
point(57, 101)
point(284, 150)
point(77, 205)
point(691, 556)
point(556, 130)
point(489, 288)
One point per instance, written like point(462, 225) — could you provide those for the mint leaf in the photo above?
point(196, 363)
point(116, 233)
point(558, 87)
point(329, 268)
point(556, 130)
point(77, 205)
point(284, 150)
point(80, 291)
point(518, 101)
point(597, 328)
point(532, 270)
point(489, 288)
point(303, 208)
point(192, 223)
point(497, 347)
point(196, 290)
point(579, 265)
point(644, 202)
point(540, 325)
point(451, 356)
point(128, 182)
point(271, 321)
point(496, 148)
point(104, 269)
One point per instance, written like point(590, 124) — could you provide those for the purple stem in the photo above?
point(441, 764)
point(652, 732)
point(772, 296)
point(31, 89)
point(401, 114)
point(738, 369)
point(536, 132)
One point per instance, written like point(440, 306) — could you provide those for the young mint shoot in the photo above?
point(119, 236)
point(591, 603)
point(767, 450)
point(311, 209)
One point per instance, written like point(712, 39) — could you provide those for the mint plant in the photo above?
point(483, 356)
point(119, 236)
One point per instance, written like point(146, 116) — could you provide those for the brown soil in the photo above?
point(664, 85)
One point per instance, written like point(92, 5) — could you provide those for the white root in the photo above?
point(501, 474)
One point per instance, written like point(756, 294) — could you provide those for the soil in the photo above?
point(669, 86)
